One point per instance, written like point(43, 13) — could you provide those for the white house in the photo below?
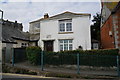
point(65, 31)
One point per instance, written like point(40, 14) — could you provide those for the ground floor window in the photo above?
point(95, 46)
point(66, 44)
point(23, 44)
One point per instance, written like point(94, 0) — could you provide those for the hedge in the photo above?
point(94, 52)
point(33, 54)
point(87, 57)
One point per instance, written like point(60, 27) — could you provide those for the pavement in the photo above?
point(9, 76)
point(85, 74)
point(26, 65)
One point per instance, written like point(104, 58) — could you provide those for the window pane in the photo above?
point(22, 43)
point(65, 46)
point(69, 26)
point(65, 41)
point(61, 47)
point(70, 41)
point(62, 27)
point(61, 41)
point(70, 47)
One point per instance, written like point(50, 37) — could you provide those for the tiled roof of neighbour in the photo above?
point(66, 14)
point(116, 8)
point(110, 5)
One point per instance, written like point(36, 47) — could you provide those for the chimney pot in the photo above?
point(46, 16)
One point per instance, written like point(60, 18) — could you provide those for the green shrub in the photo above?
point(33, 54)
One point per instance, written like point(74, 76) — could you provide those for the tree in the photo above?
point(95, 28)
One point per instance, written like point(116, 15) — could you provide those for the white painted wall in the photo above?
point(19, 42)
point(81, 33)
point(3, 45)
point(32, 44)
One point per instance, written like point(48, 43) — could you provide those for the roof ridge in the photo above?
point(62, 13)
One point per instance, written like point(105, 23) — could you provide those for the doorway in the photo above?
point(48, 45)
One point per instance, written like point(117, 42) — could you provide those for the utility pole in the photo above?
point(1, 21)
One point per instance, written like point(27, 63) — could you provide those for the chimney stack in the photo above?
point(46, 16)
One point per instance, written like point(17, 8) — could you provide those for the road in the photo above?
point(9, 76)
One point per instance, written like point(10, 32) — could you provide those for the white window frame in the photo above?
point(65, 25)
point(67, 44)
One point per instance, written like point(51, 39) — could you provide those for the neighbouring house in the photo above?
point(110, 25)
point(12, 32)
point(34, 30)
point(65, 31)
point(14, 37)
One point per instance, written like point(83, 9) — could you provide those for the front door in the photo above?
point(48, 45)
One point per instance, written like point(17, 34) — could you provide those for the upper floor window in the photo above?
point(65, 25)
point(37, 25)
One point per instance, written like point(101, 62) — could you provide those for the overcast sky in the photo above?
point(25, 12)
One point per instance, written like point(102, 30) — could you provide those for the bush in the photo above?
point(33, 54)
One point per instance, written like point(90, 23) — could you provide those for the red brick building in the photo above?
point(110, 27)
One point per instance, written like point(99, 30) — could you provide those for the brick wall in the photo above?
point(118, 25)
point(112, 24)
point(107, 40)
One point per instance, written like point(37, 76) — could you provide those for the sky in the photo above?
point(25, 12)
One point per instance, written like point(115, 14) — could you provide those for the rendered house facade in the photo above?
point(65, 31)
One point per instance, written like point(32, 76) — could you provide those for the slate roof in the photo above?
point(66, 14)
point(9, 33)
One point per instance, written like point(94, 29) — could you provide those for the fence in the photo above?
point(80, 60)
point(62, 59)
point(86, 60)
